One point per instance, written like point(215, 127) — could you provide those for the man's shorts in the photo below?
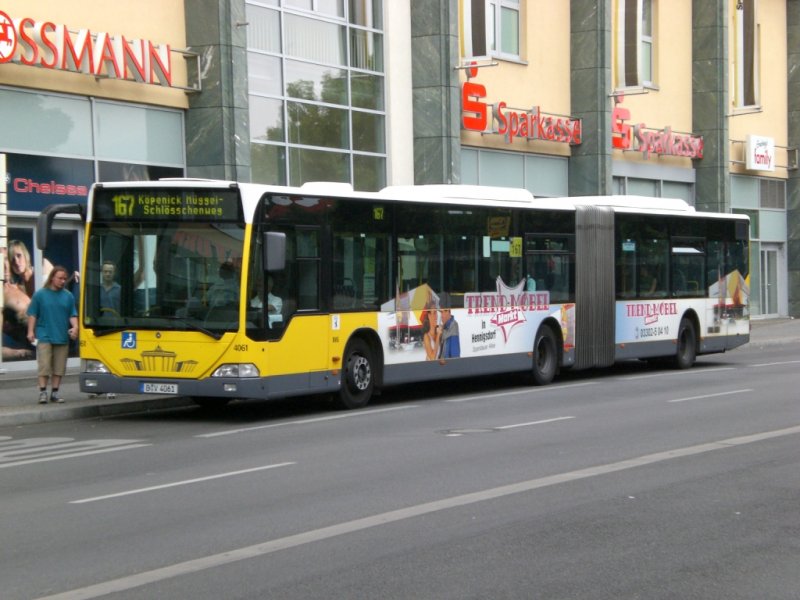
point(52, 359)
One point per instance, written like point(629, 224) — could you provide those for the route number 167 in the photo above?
point(123, 205)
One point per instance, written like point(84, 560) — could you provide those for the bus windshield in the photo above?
point(164, 275)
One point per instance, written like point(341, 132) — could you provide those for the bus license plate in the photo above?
point(159, 388)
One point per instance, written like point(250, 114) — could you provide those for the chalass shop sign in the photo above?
point(28, 42)
point(528, 124)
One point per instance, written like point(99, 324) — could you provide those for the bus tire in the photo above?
point(545, 356)
point(358, 375)
point(687, 345)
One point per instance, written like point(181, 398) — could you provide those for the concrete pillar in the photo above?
point(217, 126)
point(590, 80)
point(793, 185)
point(436, 96)
point(710, 103)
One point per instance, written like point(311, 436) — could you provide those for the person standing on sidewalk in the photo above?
point(52, 323)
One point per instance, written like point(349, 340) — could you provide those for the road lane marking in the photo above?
point(542, 422)
point(136, 580)
point(679, 373)
point(527, 390)
point(18, 452)
point(704, 396)
point(179, 483)
point(348, 415)
point(777, 364)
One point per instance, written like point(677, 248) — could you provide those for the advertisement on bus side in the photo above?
point(423, 324)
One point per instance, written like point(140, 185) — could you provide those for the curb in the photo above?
point(30, 415)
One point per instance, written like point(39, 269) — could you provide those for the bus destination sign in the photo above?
point(140, 204)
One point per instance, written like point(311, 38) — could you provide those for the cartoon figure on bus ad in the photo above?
point(421, 324)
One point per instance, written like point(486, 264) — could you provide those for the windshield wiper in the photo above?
point(108, 331)
point(191, 325)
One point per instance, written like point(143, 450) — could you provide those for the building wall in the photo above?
point(771, 117)
point(64, 130)
point(154, 20)
point(541, 78)
point(668, 102)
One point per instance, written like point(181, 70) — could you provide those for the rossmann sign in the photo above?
point(28, 42)
point(528, 124)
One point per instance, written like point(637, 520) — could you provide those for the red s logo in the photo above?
point(475, 113)
point(620, 132)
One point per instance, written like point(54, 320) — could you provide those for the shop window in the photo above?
point(315, 40)
point(369, 172)
point(334, 8)
point(635, 43)
point(746, 54)
point(316, 125)
point(303, 126)
point(317, 165)
point(315, 82)
point(367, 13)
point(263, 29)
point(26, 272)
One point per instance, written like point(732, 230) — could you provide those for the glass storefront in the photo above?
point(316, 91)
point(56, 146)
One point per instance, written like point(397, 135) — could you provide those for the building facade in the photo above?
point(648, 97)
point(679, 98)
point(86, 94)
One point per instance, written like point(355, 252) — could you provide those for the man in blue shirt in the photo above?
point(52, 323)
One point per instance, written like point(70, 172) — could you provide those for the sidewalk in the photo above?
point(19, 401)
point(19, 391)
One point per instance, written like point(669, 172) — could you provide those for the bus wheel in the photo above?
point(545, 356)
point(358, 377)
point(687, 348)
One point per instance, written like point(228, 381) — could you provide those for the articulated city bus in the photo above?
point(232, 290)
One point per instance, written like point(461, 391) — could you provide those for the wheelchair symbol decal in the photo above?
point(129, 340)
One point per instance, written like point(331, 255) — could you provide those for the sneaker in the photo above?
point(42, 397)
point(56, 398)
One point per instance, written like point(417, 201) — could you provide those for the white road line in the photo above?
point(348, 415)
point(71, 455)
point(777, 364)
point(542, 422)
point(704, 396)
point(680, 373)
point(528, 390)
point(136, 580)
point(179, 483)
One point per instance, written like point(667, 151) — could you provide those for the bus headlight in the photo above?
point(236, 370)
point(93, 366)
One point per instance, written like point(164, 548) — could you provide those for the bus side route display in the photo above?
point(141, 204)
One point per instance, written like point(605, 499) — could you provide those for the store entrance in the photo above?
point(769, 294)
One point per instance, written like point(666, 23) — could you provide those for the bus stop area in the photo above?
point(19, 392)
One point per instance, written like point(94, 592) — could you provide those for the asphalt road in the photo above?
point(628, 483)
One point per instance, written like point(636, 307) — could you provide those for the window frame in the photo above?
point(631, 40)
point(747, 56)
point(494, 28)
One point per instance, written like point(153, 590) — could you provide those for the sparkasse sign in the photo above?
point(648, 141)
point(528, 124)
point(28, 42)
